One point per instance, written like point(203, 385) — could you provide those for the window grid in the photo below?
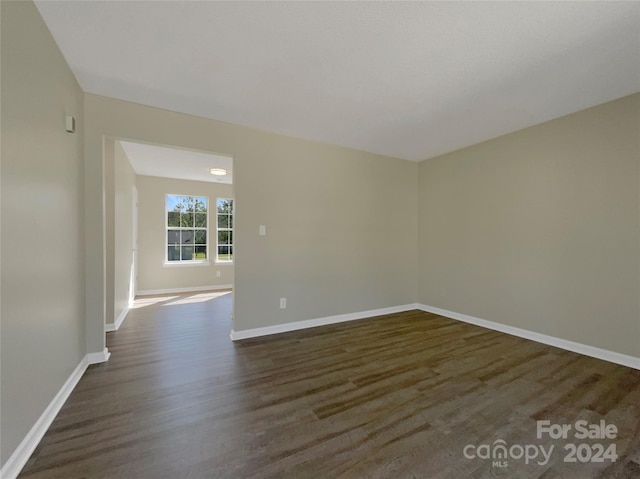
point(187, 228)
point(224, 223)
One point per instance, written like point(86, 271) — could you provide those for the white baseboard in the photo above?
point(23, 452)
point(592, 351)
point(194, 289)
point(109, 327)
point(101, 357)
point(312, 323)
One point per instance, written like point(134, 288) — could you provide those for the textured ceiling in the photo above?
point(406, 79)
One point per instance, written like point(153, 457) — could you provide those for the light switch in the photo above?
point(70, 124)
point(263, 230)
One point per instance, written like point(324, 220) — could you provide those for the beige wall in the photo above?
point(43, 323)
point(341, 224)
point(110, 218)
point(539, 229)
point(341, 232)
point(153, 274)
point(124, 183)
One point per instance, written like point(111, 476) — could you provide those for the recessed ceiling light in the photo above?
point(218, 171)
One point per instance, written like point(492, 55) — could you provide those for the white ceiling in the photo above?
point(406, 79)
point(153, 160)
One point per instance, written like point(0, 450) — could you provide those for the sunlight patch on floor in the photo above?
point(197, 298)
point(148, 301)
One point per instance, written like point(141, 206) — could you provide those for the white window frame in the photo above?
point(232, 215)
point(167, 228)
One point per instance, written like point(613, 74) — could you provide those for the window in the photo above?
point(187, 225)
point(225, 229)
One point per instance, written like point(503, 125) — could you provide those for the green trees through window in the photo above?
point(225, 229)
point(187, 227)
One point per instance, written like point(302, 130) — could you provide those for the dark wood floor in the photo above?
point(393, 397)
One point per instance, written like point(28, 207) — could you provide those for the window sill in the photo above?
point(173, 264)
point(224, 262)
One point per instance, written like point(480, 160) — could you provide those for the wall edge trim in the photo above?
point(110, 327)
point(580, 348)
point(313, 323)
point(23, 452)
point(99, 357)
point(193, 289)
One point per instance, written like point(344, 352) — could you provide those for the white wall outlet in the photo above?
point(283, 303)
point(218, 274)
point(262, 230)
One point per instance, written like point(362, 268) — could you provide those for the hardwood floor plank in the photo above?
point(396, 396)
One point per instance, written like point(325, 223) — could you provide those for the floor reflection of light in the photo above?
point(197, 298)
point(148, 301)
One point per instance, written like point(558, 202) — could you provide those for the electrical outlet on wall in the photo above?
point(283, 303)
point(217, 274)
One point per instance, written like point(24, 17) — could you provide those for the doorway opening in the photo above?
point(170, 223)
